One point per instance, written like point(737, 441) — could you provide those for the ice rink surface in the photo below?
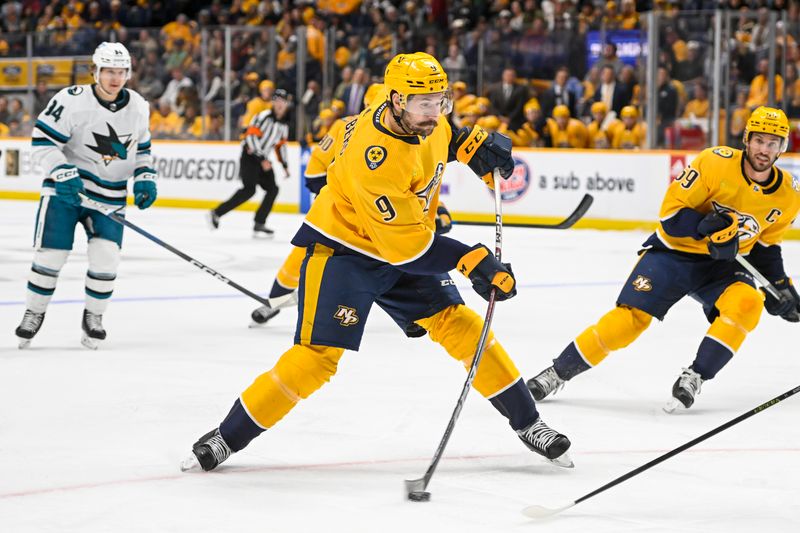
point(90, 441)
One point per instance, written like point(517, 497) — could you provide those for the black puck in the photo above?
point(419, 496)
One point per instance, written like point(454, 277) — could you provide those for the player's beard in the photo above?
point(759, 165)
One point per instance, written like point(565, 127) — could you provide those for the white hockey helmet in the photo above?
point(111, 55)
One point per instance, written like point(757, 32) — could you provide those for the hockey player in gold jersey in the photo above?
point(316, 176)
point(724, 203)
point(370, 239)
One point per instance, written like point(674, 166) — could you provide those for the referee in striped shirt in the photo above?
point(267, 131)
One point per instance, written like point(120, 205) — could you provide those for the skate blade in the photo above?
point(24, 343)
point(263, 236)
point(190, 463)
point(89, 342)
point(673, 405)
point(563, 460)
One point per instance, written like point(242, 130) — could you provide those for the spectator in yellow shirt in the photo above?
point(698, 106)
point(564, 131)
point(759, 87)
point(177, 29)
point(632, 134)
point(258, 103)
point(528, 134)
point(601, 130)
point(164, 122)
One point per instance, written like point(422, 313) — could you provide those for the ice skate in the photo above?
point(686, 387)
point(213, 220)
point(28, 328)
point(262, 315)
point(208, 452)
point(549, 443)
point(93, 331)
point(545, 383)
point(261, 231)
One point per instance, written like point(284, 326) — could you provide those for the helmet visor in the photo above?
point(430, 105)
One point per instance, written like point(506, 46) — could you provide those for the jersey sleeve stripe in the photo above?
point(50, 132)
point(41, 141)
point(142, 170)
point(143, 146)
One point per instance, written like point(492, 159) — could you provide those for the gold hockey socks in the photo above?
point(458, 328)
point(297, 374)
point(616, 329)
point(739, 311)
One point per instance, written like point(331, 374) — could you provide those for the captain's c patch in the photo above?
point(375, 156)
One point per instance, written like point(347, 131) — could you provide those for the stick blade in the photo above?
point(539, 511)
point(415, 485)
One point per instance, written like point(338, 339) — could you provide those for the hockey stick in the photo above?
point(112, 214)
point(538, 511)
point(415, 488)
point(764, 282)
point(576, 215)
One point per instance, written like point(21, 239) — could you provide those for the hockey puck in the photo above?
point(419, 496)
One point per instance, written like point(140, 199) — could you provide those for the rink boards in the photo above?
point(547, 184)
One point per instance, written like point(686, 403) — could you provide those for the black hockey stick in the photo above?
point(415, 488)
point(764, 282)
point(576, 215)
point(538, 511)
point(112, 214)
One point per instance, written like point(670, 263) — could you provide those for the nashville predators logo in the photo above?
point(642, 284)
point(749, 227)
point(346, 315)
point(375, 156)
point(111, 146)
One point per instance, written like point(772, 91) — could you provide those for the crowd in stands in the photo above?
point(537, 82)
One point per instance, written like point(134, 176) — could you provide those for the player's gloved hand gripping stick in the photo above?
point(113, 215)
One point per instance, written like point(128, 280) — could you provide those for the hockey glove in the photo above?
point(722, 230)
point(485, 272)
point(443, 221)
point(788, 307)
point(68, 183)
point(483, 152)
point(144, 193)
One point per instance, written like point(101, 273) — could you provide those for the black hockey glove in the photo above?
point(788, 307)
point(722, 230)
point(443, 221)
point(485, 272)
point(483, 152)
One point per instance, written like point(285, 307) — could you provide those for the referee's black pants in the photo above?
point(252, 175)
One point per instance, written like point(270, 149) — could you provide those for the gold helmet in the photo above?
point(372, 93)
point(531, 104)
point(599, 107)
point(489, 122)
point(417, 74)
point(629, 111)
point(560, 111)
point(768, 120)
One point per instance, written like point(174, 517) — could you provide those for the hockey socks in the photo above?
point(238, 429)
point(516, 404)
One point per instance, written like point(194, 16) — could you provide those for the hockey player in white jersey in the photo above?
point(89, 139)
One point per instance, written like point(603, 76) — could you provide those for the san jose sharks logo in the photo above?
point(111, 146)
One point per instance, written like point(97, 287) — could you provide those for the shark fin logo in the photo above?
point(111, 146)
